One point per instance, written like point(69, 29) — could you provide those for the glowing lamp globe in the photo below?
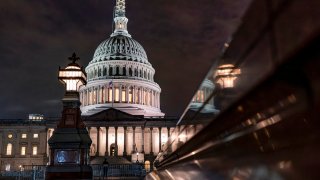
point(73, 75)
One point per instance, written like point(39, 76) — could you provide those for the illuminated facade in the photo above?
point(22, 142)
point(120, 75)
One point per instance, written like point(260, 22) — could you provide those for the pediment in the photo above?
point(112, 114)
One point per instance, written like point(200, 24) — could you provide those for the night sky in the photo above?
point(182, 39)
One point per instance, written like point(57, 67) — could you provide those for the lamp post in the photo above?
point(137, 157)
point(70, 142)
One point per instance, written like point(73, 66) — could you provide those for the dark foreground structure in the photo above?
point(268, 82)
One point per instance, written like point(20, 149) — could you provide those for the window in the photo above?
point(23, 150)
point(34, 150)
point(123, 95)
point(110, 95)
point(9, 149)
point(36, 135)
point(10, 136)
point(23, 136)
point(117, 95)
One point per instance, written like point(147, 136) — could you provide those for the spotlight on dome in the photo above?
point(73, 75)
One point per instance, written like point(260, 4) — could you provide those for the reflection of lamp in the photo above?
point(226, 74)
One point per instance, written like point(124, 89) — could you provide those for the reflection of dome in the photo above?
point(120, 75)
point(202, 95)
point(120, 47)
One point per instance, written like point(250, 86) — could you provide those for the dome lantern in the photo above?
point(120, 19)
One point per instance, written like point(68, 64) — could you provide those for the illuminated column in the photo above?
point(87, 103)
point(140, 96)
point(143, 96)
point(133, 139)
point(113, 93)
point(125, 141)
point(107, 146)
point(92, 95)
point(102, 95)
point(151, 152)
point(98, 95)
point(98, 141)
point(133, 95)
point(105, 94)
point(116, 140)
point(127, 94)
point(142, 144)
point(120, 93)
point(159, 138)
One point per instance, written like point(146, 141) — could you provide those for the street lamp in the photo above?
point(70, 142)
point(72, 76)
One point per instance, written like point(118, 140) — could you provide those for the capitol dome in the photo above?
point(120, 76)
point(120, 47)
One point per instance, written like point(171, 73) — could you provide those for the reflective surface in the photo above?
point(255, 116)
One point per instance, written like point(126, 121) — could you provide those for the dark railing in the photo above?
point(37, 172)
point(118, 170)
point(28, 172)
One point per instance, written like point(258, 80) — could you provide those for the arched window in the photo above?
point(110, 71)
point(99, 72)
point(136, 72)
point(104, 71)
point(124, 71)
point(9, 149)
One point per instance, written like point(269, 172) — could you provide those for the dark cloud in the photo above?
point(181, 37)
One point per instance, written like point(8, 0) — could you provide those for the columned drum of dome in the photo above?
point(120, 75)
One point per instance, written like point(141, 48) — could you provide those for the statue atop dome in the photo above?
point(120, 19)
point(120, 8)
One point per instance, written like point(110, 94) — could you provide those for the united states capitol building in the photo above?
point(120, 108)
